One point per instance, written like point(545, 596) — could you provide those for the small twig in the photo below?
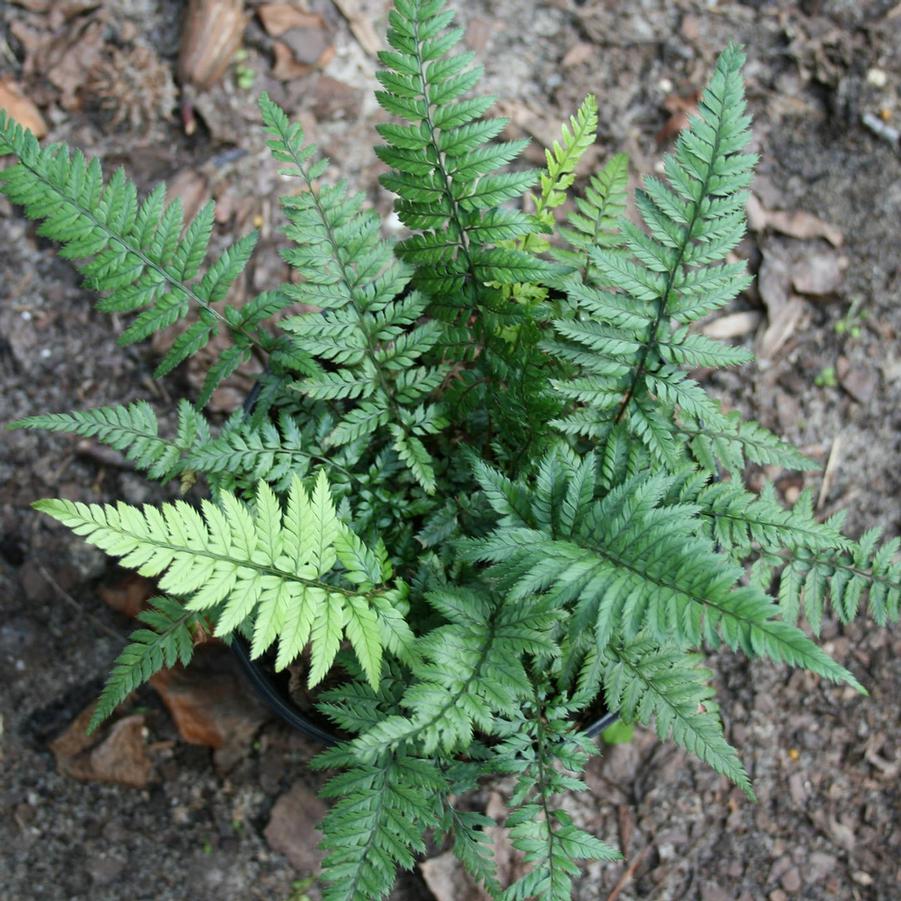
point(75, 605)
point(628, 873)
point(829, 473)
point(882, 129)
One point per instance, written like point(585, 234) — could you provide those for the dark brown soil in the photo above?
point(825, 762)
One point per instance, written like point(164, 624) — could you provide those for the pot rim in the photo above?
point(277, 700)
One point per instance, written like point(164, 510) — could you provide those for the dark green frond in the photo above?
point(137, 254)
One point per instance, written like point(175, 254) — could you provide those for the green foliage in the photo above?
point(476, 492)
point(545, 756)
point(140, 255)
point(262, 571)
point(167, 641)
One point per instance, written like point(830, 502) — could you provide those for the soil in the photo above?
point(825, 762)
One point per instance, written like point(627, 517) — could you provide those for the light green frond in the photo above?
point(268, 568)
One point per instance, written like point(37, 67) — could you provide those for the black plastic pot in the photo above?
point(277, 699)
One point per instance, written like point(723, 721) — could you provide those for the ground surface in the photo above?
point(825, 763)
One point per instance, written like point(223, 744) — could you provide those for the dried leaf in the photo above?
point(14, 102)
point(117, 755)
point(819, 273)
point(129, 596)
point(797, 224)
point(208, 703)
point(447, 880)
point(782, 326)
point(212, 32)
point(360, 25)
point(277, 18)
point(681, 109)
point(293, 828)
point(733, 325)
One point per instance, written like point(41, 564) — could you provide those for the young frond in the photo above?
point(164, 639)
point(267, 568)
point(594, 222)
point(137, 254)
point(557, 178)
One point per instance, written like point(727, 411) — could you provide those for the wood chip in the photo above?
point(733, 325)
point(360, 25)
point(212, 32)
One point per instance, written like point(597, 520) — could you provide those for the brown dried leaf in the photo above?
point(681, 109)
point(119, 755)
point(14, 102)
point(286, 67)
point(293, 828)
point(733, 325)
point(277, 18)
point(579, 53)
point(819, 273)
point(447, 880)
point(311, 46)
point(782, 326)
point(64, 57)
point(212, 32)
point(128, 596)
point(774, 280)
point(191, 188)
point(208, 703)
point(797, 224)
point(360, 25)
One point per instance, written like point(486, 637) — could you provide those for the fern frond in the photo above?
point(671, 271)
point(594, 222)
point(645, 680)
point(845, 575)
point(134, 431)
point(377, 824)
point(560, 173)
point(136, 254)
point(635, 564)
point(164, 640)
point(244, 453)
point(267, 568)
point(444, 166)
point(363, 329)
point(472, 669)
point(741, 521)
point(545, 755)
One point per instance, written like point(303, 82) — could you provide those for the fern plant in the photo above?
point(478, 485)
